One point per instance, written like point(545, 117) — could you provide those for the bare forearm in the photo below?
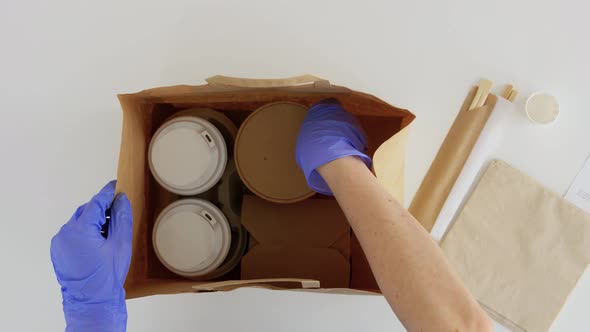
point(409, 267)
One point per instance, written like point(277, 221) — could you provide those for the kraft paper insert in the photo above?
point(519, 248)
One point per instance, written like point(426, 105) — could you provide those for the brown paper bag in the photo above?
point(143, 112)
point(519, 248)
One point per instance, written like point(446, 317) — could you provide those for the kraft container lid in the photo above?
point(191, 237)
point(265, 153)
point(187, 155)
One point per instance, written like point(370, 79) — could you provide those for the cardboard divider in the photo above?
point(145, 111)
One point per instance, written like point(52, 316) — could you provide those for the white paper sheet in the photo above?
point(579, 191)
point(491, 135)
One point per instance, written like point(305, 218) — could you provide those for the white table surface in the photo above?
point(62, 62)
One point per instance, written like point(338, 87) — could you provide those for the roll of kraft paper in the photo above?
point(503, 118)
point(449, 161)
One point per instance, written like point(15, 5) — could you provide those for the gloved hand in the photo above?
point(328, 133)
point(91, 269)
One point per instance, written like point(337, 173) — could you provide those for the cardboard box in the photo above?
point(307, 240)
point(145, 111)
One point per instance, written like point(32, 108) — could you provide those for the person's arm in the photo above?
point(409, 267)
point(92, 269)
point(411, 270)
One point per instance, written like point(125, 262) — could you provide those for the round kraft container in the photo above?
point(187, 155)
point(264, 153)
point(191, 237)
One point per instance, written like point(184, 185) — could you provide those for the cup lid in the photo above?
point(191, 237)
point(225, 125)
point(542, 108)
point(187, 155)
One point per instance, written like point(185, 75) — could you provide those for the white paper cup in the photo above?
point(191, 237)
point(187, 155)
point(542, 108)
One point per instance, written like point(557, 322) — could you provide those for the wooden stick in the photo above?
point(512, 95)
point(482, 93)
point(507, 91)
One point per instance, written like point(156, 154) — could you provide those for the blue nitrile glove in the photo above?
point(91, 269)
point(328, 133)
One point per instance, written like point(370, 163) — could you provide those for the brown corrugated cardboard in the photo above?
point(309, 239)
point(143, 112)
point(326, 265)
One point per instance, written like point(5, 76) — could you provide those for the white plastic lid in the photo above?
point(542, 108)
point(191, 237)
point(187, 155)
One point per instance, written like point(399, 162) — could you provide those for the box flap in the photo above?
point(314, 223)
point(309, 239)
point(326, 265)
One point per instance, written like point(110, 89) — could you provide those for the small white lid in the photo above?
point(542, 108)
point(191, 237)
point(187, 155)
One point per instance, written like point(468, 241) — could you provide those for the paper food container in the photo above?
point(145, 111)
point(272, 131)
